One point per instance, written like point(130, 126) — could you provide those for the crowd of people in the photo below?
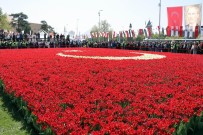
point(175, 46)
point(192, 47)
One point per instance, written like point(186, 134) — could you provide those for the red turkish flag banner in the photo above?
point(127, 34)
point(196, 31)
point(149, 31)
point(92, 34)
point(133, 33)
point(158, 28)
point(181, 31)
point(107, 35)
point(121, 34)
point(175, 16)
point(168, 31)
point(114, 34)
point(141, 32)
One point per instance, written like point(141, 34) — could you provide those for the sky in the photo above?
point(81, 15)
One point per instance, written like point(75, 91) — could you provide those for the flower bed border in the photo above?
point(29, 117)
point(195, 123)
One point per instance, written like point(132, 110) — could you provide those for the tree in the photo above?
point(156, 36)
point(104, 27)
point(4, 23)
point(46, 27)
point(20, 23)
point(95, 29)
point(140, 38)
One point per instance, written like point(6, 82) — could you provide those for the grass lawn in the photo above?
point(11, 121)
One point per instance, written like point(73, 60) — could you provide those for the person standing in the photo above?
point(194, 48)
point(45, 37)
point(201, 47)
point(172, 46)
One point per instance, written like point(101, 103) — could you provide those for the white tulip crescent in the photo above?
point(144, 56)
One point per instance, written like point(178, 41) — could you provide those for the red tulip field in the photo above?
point(104, 91)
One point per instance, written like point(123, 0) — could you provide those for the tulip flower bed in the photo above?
point(67, 91)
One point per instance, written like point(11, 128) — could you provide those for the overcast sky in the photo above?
point(83, 14)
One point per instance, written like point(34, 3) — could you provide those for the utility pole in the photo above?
point(77, 29)
point(130, 32)
point(159, 18)
point(99, 22)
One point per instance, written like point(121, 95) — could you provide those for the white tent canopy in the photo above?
point(42, 32)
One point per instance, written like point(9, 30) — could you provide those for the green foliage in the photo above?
point(20, 23)
point(193, 127)
point(48, 131)
point(9, 126)
point(97, 127)
point(46, 27)
point(156, 36)
point(140, 38)
point(104, 27)
point(182, 130)
point(124, 103)
point(4, 23)
point(11, 122)
point(174, 37)
point(29, 118)
point(95, 29)
point(68, 37)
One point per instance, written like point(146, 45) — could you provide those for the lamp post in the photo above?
point(77, 28)
point(159, 17)
point(130, 26)
point(99, 21)
point(65, 30)
point(130, 29)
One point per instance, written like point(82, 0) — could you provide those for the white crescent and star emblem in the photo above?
point(144, 56)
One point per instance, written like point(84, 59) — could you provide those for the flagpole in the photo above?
point(99, 21)
point(159, 17)
point(77, 27)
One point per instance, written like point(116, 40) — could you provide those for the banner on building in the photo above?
point(175, 16)
point(130, 33)
point(181, 31)
point(168, 31)
point(149, 29)
point(133, 33)
point(141, 32)
point(193, 15)
point(196, 31)
point(121, 35)
point(145, 33)
point(127, 34)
